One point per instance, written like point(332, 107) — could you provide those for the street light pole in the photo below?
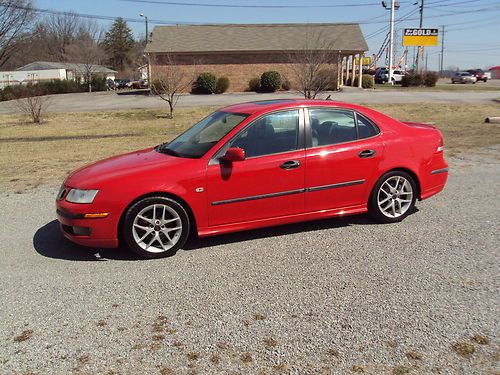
point(147, 56)
point(391, 44)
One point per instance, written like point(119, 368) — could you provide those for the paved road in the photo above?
point(331, 296)
point(111, 101)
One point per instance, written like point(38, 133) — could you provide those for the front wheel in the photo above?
point(393, 197)
point(155, 227)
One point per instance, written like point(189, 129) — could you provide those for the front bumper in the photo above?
point(93, 232)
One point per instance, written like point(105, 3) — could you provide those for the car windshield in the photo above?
point(200, 138)
point(465, 74)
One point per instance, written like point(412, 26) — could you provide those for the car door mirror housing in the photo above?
point(234, 154)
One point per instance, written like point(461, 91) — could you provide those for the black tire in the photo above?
point(374, 210)
point(127, 234)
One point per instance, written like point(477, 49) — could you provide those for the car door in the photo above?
point(341, 162)
point(270, 181)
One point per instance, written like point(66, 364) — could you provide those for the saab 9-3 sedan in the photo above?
point(254, 165)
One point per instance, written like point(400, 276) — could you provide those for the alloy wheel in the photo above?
point(157, 228)
point(395, 196)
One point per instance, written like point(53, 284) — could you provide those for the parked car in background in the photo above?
point(139, 84)
point(382, 76)
point(479, 74)
point(254, 165)
point(123, 83)
point(463, 77)
point(110, 84)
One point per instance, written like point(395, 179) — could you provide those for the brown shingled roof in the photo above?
point(255, 37)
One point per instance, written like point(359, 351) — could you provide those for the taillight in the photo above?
point(440, 147)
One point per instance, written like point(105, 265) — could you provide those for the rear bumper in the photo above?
point(435, 182)
point(98, 232)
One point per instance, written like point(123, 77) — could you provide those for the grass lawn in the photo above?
point(33, 155)
point(440, 87)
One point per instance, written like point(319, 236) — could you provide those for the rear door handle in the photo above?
point(290, 164)
point(367, 153)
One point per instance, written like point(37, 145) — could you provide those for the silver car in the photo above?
point(463, 77)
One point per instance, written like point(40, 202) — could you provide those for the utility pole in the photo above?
point(391, 44)
point(421, 24)
point(442, 52)
point(147, 40)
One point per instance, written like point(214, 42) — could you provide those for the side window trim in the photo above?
point(356, 124)
point(214, 160)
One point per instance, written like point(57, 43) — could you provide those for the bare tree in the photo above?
point(54, 34)
point(170, 80)
point(89, 55)
point(314, 67)
point(16, 17)
point(33, 103)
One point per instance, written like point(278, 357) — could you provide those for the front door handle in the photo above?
point(290, 164)
point(367, 153)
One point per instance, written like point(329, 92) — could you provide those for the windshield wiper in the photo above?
point(165, 150)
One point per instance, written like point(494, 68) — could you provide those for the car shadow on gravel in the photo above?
point(282, 230)
point(49, 242)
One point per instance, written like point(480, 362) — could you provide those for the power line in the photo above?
point(399, 20)
point(104, 18)
point(216, 5)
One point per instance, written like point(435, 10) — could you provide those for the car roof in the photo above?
point(276, 104)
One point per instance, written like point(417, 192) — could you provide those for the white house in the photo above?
point(10, 78)
point(40, 71)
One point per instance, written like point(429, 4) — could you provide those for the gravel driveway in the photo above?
point(333, 297)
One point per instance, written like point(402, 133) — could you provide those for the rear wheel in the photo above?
point(155, 227)
point(393, 197)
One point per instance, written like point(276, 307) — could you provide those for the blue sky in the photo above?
point(472, 36)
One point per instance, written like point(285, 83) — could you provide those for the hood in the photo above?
point(137, 162)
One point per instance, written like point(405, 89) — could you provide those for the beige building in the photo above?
point(242, 52)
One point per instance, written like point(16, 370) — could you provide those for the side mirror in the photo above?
point(234, 154)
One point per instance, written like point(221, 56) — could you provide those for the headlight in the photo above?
point(81, 196)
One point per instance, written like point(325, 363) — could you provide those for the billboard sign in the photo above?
point(417, 37)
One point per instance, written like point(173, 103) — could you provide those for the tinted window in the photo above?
point(271, 134)
point(332, 126)
point(366, 128)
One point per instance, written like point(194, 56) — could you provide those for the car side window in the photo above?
point(330, 126)
point(270, 134)
point(366, 128)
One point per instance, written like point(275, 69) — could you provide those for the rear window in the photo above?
point(366, 128)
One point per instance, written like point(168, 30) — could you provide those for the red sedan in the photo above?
point(254, 165)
